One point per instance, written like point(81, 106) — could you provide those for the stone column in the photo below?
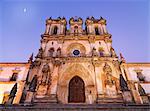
point(62, 29)
point(47, 29)
point(98, 80)
point(104, 28)
point(52, 91)
point(101, 29)
point(51, 29)
point(53, 87)
point(90, 29)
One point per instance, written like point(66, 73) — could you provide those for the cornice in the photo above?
point(136, 64)
point(15, 64)
point(80, 59)
point(91, 38)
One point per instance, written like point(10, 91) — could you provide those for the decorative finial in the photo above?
point(92, 18)
point(63, 17)
point(76, 17)
point(59, 18)
point(122, 58)
point(101, 18)
point(87, 17)
point(102, 21)
point(50, 18)
point(30, 58)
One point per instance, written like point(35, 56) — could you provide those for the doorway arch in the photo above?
point(76, 90)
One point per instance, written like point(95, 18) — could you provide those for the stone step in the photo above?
point(75, 107)
point(46, 99)
point(109, 100)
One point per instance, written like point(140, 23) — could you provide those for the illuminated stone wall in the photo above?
point(6, 85)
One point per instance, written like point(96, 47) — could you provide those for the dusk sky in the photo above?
point(23, 21)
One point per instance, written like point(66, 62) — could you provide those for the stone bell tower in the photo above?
point(75, 65)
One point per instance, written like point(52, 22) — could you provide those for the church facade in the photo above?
point(75, 65)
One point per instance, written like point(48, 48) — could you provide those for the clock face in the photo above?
point(76, 52)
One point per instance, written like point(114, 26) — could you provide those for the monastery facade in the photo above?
point(75, 65)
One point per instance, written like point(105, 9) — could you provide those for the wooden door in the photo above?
point(76, 90)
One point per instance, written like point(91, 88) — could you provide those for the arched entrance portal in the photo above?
point(76, 90)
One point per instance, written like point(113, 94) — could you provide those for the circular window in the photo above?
point(76, 52)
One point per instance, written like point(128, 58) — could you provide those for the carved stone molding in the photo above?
point(107, 68)
point(97, 63)
point(1, 69)
point(78, 46)
point(91, 39)
point(16, 70)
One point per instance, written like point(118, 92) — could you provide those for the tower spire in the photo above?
point(30, 58)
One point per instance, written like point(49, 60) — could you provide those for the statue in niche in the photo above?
point(94, 53)
point(123, 84)
point(40, 53)
point(109, 80)
point(12, 94)
point(113, 54)
point(46, 74)
point(33, 84)
point(58, 54)
point(141, 90)
point(107, 69)
point(116, 63)
point(51, 52)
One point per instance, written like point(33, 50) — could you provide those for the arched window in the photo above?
point(76, 29)
point(96, 31)
point(51, 51)
point(86, 30)
point(101, 51)
point(55, 30)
